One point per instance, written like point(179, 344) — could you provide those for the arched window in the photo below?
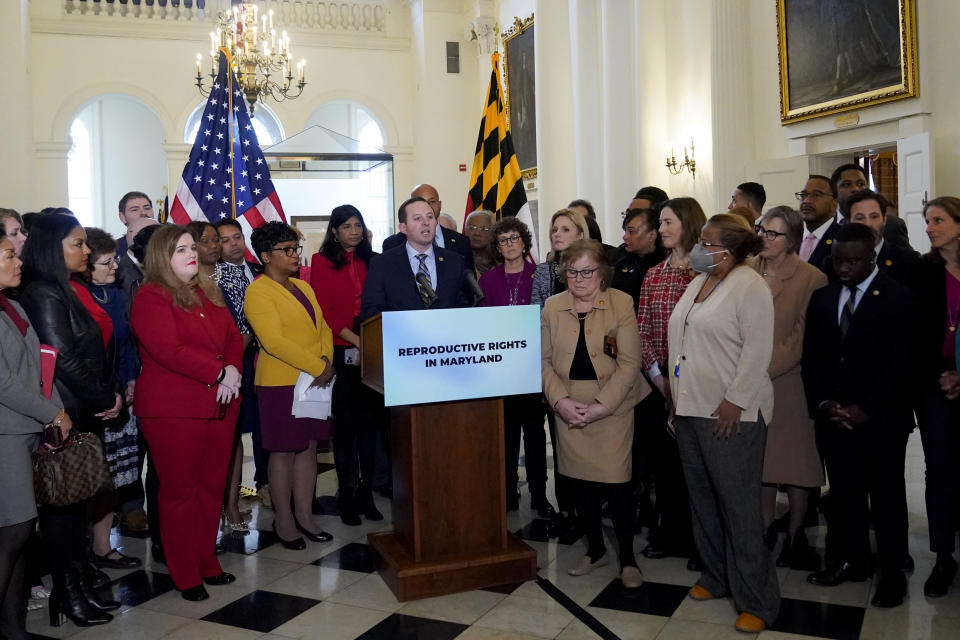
point(352, 119)
point(266, 124)
point(80, 173)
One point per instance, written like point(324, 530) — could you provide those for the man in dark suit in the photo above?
point(233, 248)
point(856, 357)
point(134, 205)
point(446, 239)
point(818, 205)
point(898, 261)
point(417, 274)
point(849, 179)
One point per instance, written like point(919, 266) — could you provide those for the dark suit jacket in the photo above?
point(896, 232)
point(129, 277)
point(899, 262)
point(871, 366)
point(391, 285)
point(452, 241)
point(824, 246)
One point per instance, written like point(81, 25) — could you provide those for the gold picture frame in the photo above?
point(520, 105)
point(837, 57)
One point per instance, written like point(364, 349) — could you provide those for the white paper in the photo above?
point(313, 402)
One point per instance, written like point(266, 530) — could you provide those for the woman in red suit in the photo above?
point(187, 401)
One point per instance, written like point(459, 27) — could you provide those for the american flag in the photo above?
point(224, 180)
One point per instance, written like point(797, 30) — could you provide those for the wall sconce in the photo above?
point(689, 163)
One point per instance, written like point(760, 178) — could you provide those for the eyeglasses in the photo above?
point(816, 195)
point(769, 234)
point(473, 227)
point(505, 240)
point(586, 274)
point(289, 251)
point(113, 262)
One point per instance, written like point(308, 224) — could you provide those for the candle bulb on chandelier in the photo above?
point(271, 19)
point(300, 70)
point(273, 38)
point(199, 58)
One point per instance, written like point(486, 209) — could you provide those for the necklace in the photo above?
point(953, 315)
point(513, 294)
point(106, 296)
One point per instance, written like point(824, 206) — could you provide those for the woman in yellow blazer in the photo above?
point(591, 377)
point(284, 314)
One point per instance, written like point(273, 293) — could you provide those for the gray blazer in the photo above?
point(23, 412)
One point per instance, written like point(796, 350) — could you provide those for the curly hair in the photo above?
point(266, 237)
point(506, 225)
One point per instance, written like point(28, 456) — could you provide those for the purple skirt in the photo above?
point(279, 430)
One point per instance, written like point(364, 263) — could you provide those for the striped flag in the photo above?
point(495, 182)
point(226, 175)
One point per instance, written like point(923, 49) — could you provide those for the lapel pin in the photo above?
point(440, 258)
point(888, 262)
point(876, 292)
point(624, 269)
point(829, 241)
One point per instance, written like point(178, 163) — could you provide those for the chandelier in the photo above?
point(259, 56)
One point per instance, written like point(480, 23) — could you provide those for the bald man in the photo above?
point(448, 239)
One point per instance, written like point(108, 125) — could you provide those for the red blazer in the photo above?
point(338, 291)
point(182, 354)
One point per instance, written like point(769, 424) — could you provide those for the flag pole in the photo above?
point(233, 190)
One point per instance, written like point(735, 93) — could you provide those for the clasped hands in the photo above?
point(577, 414)
point(847, 417)
point(110, 414)
point(229, 386)
point(950, 384)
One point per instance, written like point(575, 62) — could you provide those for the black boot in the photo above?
point(86, 572)
point(346, 504)
point(67, 600)
point(365, 504)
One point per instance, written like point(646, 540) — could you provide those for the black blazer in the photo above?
point(895, 231)
point(391, 285)
point(931, 310)
point(899, 262)
point(85, 368)
point(452, 241)
point(825, 246)
point(871, 367)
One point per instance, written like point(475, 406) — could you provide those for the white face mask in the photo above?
point(701, 260)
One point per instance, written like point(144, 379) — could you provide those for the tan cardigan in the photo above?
point(726, 348)
point(621, 385)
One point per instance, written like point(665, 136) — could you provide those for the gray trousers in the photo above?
point(723, 478)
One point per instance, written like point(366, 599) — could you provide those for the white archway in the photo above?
point(266, 124)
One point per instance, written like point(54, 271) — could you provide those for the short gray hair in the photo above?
point(493, 218)
point(792, 220)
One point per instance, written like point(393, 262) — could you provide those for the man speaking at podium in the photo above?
point(417, 274)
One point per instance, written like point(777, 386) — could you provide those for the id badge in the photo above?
point(351, 356)
point(676, 368)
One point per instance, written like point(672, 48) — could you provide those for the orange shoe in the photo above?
point(699, 593)
point(749, 623)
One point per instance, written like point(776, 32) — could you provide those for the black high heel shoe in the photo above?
point(365, 504)
point(67, 601)
point(323, 536)
point(297, 544)
point(85, 572)
point(195, 594)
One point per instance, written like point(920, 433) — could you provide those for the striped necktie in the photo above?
point(424, 287)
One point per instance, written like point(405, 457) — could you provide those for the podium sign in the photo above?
point(455, 354)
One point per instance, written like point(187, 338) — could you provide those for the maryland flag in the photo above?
point(495, 182)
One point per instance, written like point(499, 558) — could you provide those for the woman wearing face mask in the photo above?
point(720, 340)
point(337, 274)
point(680, 223)
point(187, 401)
point(566, 226)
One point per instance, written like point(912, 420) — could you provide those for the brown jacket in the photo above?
point(622, 386)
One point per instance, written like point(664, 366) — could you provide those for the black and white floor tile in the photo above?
point(332, 591)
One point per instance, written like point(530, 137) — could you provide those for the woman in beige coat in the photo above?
point(791, 457)
point(591, 378)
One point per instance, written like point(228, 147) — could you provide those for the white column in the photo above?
point(587, 95)
point(556, 155)
point(731, 86)
point(50, 169)
point(17, 186)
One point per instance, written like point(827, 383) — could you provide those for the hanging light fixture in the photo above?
point(259, 56)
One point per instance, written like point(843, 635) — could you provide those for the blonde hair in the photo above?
point(576, 219)
point(157, 267)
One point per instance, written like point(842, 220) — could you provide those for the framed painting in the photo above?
point(840, 55)
point(520, 99)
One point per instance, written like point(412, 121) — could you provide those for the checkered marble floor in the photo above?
point(332, 591)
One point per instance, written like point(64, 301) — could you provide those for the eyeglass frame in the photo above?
point(766, 233)
point(508, 240)
point(287, 251)
point(816, 193)
point(578, 274)
point(473, 227)
point(115, 261)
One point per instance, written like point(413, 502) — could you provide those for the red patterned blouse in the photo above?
point(662, 288)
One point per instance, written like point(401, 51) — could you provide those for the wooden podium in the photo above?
point(449, 503)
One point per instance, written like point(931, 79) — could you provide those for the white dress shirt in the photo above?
point(861, 290)
point(431, 263)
